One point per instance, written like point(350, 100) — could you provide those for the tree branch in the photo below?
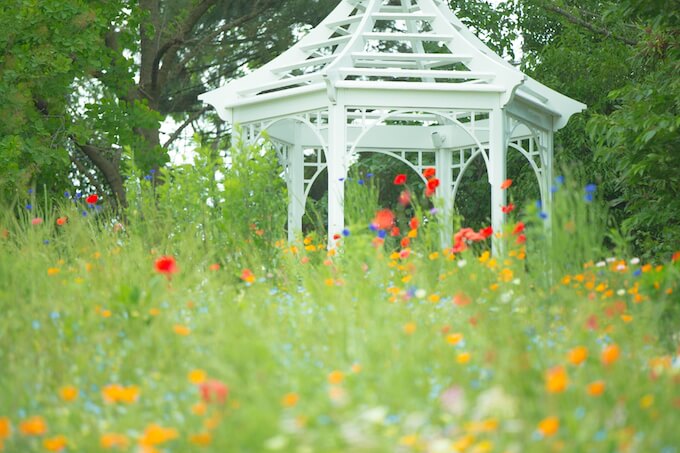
point(192, 18)
point(258, 8)
point(193, 117)
point(587, 25)
point(81, 169)
point(110, 170)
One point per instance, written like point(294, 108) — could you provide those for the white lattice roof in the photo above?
point(395, 44)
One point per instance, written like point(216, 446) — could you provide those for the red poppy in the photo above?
point(521, 239)
point(92, 199)
point(429, 172)
point(405, 241)
point(247, 276)
point(404, 198)
point(413, 223)
point(62, 221)
point(486, 232)
point(395, 231)
point(384, 219)
point(214, 391)
point(400, 179)
point(518, 228)
point(463, 233)
point(506, 184)
point(459, 247)
point(166, 265)
point(461, 300)
point(214, 267)
point(508, 209)
point(432, 185)
point(676, 256)
point(336, 236)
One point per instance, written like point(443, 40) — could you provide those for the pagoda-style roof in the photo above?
point(399, 45)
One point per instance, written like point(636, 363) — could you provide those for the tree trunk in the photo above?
point(110, 169)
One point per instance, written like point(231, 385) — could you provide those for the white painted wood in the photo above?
point(416, 73)
point(387, 36)
point(394, 56)
point(403, 16)
point(296, 186)
point(337, 171)
point(497, 170)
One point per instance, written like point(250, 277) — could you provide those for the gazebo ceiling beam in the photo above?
point(418, 73)
point(386, 36)
point(393, 137)
point(403, 16)
point(303, 64)
point(346, 21)
point(419, 86)
point(326, 43)
point(410, 57)
point(295, 80)
point(397, 9)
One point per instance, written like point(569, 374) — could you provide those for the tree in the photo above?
point(84, 80)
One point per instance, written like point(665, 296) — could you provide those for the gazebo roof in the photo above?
point(414, 45)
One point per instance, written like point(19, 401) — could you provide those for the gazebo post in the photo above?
point(296, 184)
point(445, 174)
point(497, 174)
point(337, 170)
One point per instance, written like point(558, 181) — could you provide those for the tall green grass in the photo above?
point(361, 349)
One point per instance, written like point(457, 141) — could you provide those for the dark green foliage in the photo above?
point(620, 58)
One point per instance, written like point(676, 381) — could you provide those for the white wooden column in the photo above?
point(547, 174)
point(337, 170)
point(497, 173)
point(296, 184)
point(445, 174)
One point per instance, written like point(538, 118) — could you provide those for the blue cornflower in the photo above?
point(588, 197)
point(559, 179)
point(361, 182)
point(382, 234)
point(29, 206)
point(345, 232)
point(67, 194)
point(543, 215)
point(590, 188)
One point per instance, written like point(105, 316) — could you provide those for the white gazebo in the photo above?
point(404, 78)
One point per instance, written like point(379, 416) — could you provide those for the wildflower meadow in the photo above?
point(188, 324)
